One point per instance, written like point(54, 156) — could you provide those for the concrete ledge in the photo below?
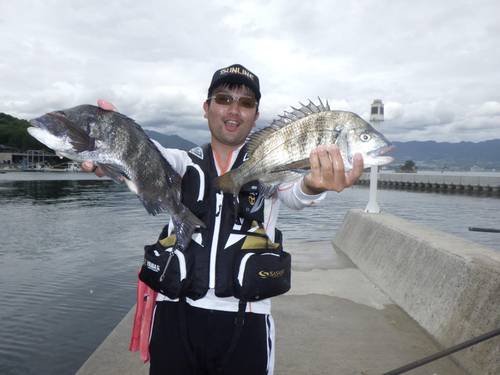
point(113, 357)
point(450, 286)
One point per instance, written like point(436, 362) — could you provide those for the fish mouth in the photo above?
point(35, 123)
point(381, 151)
point(36, 126)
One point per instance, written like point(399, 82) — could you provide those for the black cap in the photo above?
point(236, 73)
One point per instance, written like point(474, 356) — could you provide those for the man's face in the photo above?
point(230, 124)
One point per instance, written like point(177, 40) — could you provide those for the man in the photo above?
point(199, 331)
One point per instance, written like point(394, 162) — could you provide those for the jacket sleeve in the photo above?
point(178, 159)
point(293, 197)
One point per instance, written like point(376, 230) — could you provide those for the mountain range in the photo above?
point(445, 155)
point(171, 141)
point(426, 155)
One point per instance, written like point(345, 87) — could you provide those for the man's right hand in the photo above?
point(88, 166)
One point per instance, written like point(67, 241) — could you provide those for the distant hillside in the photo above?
point(171, 141)
point(429, 154)
point(13, 133)
point(451, 155)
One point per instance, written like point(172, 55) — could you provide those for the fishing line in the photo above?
point(490, 230)
point(444, 353)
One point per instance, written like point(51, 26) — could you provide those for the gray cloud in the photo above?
point(433, 63)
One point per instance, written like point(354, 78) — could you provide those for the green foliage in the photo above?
point(13, 133)
point(409, 166)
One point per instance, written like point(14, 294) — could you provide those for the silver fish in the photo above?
point(122, 150)
point(280, 152)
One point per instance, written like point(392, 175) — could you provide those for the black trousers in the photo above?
point(209, 334)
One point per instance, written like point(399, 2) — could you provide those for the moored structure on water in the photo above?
point(422, 181)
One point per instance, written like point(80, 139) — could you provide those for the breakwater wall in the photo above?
point(439, 182)
point(449, 286)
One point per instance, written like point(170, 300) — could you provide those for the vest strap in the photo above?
point(239, 322)
point(184, 334)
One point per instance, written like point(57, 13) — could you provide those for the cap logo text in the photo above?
point(237, 70)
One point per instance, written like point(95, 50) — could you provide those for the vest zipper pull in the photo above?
point(220, 197)
point(166, 266)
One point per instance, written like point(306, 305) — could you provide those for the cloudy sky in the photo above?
point(435, 64)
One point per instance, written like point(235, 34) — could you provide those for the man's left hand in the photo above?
point(88, 166)
point(327, 171)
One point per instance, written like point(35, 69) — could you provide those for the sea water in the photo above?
point(71, 246)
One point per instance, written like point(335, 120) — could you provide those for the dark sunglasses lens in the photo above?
point(247, 102)
point(243, 101)
point(223, 99)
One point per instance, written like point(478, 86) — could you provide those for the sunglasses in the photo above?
point(226, 99)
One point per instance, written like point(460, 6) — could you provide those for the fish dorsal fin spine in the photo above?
point(323, 107)
point(257, 137)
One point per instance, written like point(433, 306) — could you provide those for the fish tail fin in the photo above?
point(185, 225)
point(227, 183)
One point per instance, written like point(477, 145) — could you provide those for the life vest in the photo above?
point(232, 247)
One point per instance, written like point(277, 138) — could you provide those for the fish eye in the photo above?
point(60, 113)
point(365, 137)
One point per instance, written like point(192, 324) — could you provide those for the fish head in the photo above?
point(66, 131)
point(358, 136)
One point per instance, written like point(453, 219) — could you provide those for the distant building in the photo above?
point(9, 155)
point(12, 155)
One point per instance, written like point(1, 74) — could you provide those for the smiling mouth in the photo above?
point(231, 123)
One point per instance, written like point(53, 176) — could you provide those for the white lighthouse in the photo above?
point(376, 117)
point(377, 112)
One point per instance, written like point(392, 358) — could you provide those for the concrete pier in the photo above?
point(436, 182)
point(334, 321)
point(449, 286)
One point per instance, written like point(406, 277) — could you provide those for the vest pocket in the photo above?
point(261, 273)
point(165, 270)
